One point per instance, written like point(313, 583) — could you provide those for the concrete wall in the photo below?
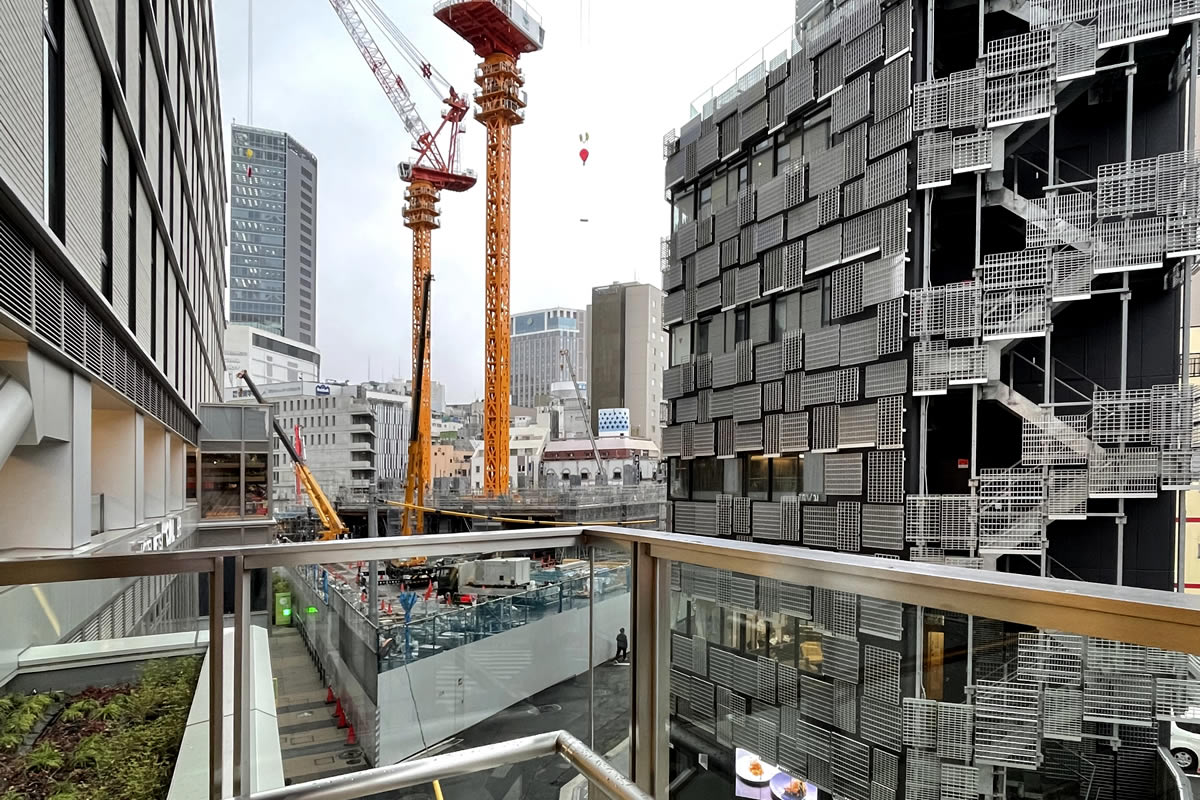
point(606, 343)
point(434, 698)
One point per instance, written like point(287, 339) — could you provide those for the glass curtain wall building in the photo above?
point(538, 338)
point(272, 249)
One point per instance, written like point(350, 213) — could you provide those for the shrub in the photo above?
point(44, 757)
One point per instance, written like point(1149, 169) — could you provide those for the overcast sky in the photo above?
point(627, 79)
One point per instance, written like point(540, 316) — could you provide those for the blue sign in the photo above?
point(322, 390)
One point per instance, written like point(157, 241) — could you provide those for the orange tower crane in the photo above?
point(427, 175)
point(499, 32)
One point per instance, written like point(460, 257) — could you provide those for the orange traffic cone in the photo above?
point(342, 721)
point(329, 698)
point(350, 737)
point(337, 712)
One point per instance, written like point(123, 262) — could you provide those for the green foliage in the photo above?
point(12, 794)
point(110, 711)
point(67, 790)
point(10, 741)
point(44, 757)
point(7, 704)
point(79, 710)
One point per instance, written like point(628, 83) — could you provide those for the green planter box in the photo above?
point(283, 608)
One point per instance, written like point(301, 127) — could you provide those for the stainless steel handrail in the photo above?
point(464, 762)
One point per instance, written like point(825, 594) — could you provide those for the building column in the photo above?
point(139, 468)
point(155, 469)
point(115, 464)
point(176, 473)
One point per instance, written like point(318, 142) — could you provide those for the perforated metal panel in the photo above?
point(923, 518)
point(825, 429)
point(848, 527)
point(1067, 494)
point(1062, 713)
point(885, 476)
point(829, 73)
point(931, 367)
point(843, 474)
point(1019, 98)
point(927, 311)
point(819, 388)
point(795, 600)
point(890, 377)
point(966, 98)
point(882, 528)
point(955, 731)
point(861, 235)
point(793, 432)
point(852, 103)
point(882, 280)
point(845, 706)
point(857, 426)
point(822, 348)
point(920, 723)
point(881, 667)
point(840, 658)
point(973, 152)
point(823, 249)
point(893, 223)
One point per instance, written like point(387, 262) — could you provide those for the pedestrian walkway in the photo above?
point(310, 741)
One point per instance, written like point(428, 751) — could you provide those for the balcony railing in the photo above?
point(807, 622)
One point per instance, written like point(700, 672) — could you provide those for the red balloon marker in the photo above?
point(583, 154)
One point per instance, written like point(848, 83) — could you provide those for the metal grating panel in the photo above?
point(927, 311)
point(882, 528)
point(893, 95)
point(1116, 697)
point(773, 396)
point(859, 341)
point(747, 403)
point(843, 473)
point(858, 426)
point(882, 280)
point(1054, 441)
point(795, 600)
point(1062, 713)
point(816, 701)
point(1015, 313)
point(789, 520)
point(935, 159)
point(1107, 654)
point(847, 291)
point(793, 350)
point(826, 171)
point(890, 327)
point(889, 422)
point(768, 362)
point(819, 388)
point(819, 526)
point(1020, 53)
point(840, 658)
point(829, 72)
point(748, 437)
point(849, 516)
point(881, 671)
point(931, 367)
point(864, 49)
point(960, 310)
point(1020, 268)
point(793, 432)
point(852, 103)
point(966, 98)
point(1007, 730)
point(861, 235)
point(885, 179)
point(1127, 189)
point(885, 476)
point(1071, 275)
point(893, 223)
point(958, 526)
point(850, 765)
point(1130, 244)
point(1121, 417)
point(1124, 21)
point(1177, 189)
point(825, 429)
point(973, 152)
point(955, 730)
point(765, 522)
point(1064, 218)
point(880, 723)
point(822, 348)
point(1176, 699)
point(884, 770)
point(888, 134)
point(1067, 494)
point(969, 364)
point(793, 264)
point(923, 518)
point(890, 377)
point(845, 706)
point(920, 723)
point(931, 104)
point(1126, 472)
point(1019, 98)
point(1051, 658)
point(959, 782)
point(823, 249)
point(829, 206)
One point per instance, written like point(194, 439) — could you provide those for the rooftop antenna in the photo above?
point(250, 62)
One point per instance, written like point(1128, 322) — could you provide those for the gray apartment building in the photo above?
point(538, 338)
point(273, 234)
point(628, 352)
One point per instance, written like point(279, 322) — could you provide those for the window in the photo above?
point(785, 476)
point(106, 192)
point(733, 475)
point(757, 483)
point(782, 155)
point(220, 496)
point(743, 175)
point(763, 163)
point(680, 474)
point(1194, 365)
point(683, 210)
point(741, 323)
point(681, 344)
point(708, 475)
point(52, 117)
point(787, 315)
point(706, 206)
point(760, 323)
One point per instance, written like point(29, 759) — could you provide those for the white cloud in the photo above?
point(626, 80)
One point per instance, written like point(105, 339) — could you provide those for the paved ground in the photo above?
point(311, 743)
point(564, 706)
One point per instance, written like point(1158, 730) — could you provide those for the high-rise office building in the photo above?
point(273, 234)
point(538, 338)
point(628, 352)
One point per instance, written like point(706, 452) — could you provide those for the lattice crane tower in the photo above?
point(499, 31)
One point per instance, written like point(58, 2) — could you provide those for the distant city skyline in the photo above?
point(305, 65)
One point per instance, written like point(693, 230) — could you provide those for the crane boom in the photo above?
point(328, 515)
point(587, 421)
point(389, 81)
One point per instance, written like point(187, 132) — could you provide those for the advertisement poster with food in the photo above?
point(758, 779)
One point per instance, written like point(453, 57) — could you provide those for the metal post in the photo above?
point(216, 683)
point(919, 661)
point(1185, 341)
point(970, 650)
point(1130, 71)
point(591, 647)
point(241, 678)
point(649, 612)
point(373, 566)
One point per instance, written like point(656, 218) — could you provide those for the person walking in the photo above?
point(622, 646)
